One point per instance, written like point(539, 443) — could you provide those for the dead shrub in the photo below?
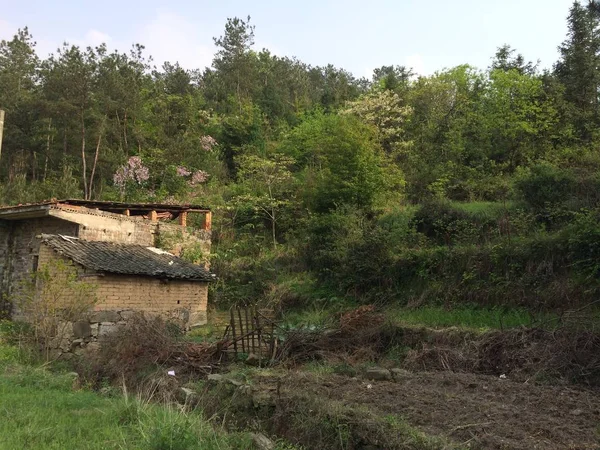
point(361, 335)
point(570, 355)
point(142, 352)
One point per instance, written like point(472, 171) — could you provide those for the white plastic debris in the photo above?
point(171, 372)
point(369, 386)
point(503, 377)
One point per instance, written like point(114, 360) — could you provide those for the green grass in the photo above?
point(41, 410)
point(489, 210)
point(466, 317)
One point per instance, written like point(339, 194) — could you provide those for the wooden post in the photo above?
point(241, 328)
point(183, 218)
point(127, 213)
point(247, 328)
point(1, 128)
point(153, 216)
point(232, 323)
point(207, 221)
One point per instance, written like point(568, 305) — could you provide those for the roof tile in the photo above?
point(129, 259)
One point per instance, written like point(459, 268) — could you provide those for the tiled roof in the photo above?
point(129, 259)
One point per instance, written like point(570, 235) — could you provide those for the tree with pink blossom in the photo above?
point(131, 173)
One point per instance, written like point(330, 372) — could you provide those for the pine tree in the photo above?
point(579, 67)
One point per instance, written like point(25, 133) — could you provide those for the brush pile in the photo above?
point(148, 345)
point(569, 354)
point(361, 334)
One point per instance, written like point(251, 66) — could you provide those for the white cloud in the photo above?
point(6, 30)
point(92, 38)
point(95, 37)
point(416, 63)
point(171, 37)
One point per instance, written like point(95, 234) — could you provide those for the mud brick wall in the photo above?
point(184, 301)
point(104, 226)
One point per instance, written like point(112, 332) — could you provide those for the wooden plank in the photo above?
point(247, 338)
point(241, 328)
point(183, 219)
point(207, 221)
point(232, 323)
point(258, 334)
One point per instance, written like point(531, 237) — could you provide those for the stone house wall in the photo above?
point(19, 252)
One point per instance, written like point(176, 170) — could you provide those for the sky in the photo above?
point(356, 35)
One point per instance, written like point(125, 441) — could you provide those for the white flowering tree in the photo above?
point(267, 185)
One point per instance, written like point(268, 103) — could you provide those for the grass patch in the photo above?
point(467, 317)
point(487, 210)
point(42, 410)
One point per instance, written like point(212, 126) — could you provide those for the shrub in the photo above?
point(545, 184)
point(49, 300)
point(444, 224)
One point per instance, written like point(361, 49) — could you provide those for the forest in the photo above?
point(474, 186)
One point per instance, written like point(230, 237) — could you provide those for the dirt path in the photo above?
point(478, 411)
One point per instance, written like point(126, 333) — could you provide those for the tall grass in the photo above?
point(467, 317)
point(43, 410)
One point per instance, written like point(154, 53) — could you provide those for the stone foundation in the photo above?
point(74, 337)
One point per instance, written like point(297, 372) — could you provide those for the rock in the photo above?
point(187, 391)
point(577, 412)
point(106, 390)
point(215, 377)
point(246, 389)
point(253, 360)
point(92, 347)
point(378, 374)
point(94, 329)
point(106, 328)
point(234, 382)
point(127, 314)
point(105, 316)
point(82, 329)
point(61, 343)
point(75, 344)
point(187, 396)
point(262, 442)
point(399, 374)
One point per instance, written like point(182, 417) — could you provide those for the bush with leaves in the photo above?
point(545, 184)
point(50, 299)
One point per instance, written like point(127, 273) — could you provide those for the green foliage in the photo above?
point(326, 187)
point(341, 160)
point(545, 185)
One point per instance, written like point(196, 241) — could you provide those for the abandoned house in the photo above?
point(115, 246)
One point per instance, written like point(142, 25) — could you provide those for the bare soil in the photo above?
point(474, 411)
